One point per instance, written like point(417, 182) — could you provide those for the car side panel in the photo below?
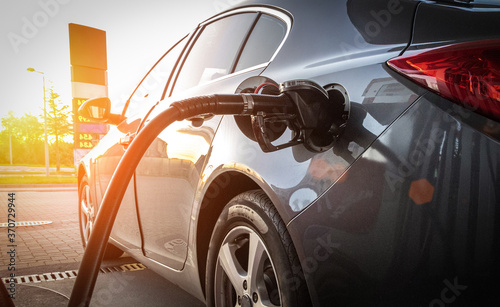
point(416, 213)
point(415, 216)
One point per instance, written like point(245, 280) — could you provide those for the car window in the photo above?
point(214, 53)
point(266, 37)
point(150, 89)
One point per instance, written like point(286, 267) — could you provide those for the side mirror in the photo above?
point(99, 110)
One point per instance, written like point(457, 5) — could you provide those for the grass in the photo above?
point(37, 179)
point(37, 165)
point(25, 173)
point(13, 176)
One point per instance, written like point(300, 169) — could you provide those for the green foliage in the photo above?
point(26, 136)
point(58, 116)
point(58, 124)
point(65, 154)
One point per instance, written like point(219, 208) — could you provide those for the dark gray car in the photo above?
point(398, 206)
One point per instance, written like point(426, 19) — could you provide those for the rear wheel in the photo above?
point(251, 259)
point(87, 213)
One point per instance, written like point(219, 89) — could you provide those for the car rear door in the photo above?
point(149, 91)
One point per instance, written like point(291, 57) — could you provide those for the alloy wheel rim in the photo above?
point(87, 214)
point(244, 273)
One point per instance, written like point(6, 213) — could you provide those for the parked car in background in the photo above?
point(401, 209)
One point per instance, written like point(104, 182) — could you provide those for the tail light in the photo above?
point(466, 73)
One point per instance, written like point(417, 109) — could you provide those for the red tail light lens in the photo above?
point(467, 73)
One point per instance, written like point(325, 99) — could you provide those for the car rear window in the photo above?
point(266, 37)
point(215, 50)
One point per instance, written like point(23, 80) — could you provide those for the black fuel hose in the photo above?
point(215, 104)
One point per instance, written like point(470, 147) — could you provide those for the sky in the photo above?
point(34, 33)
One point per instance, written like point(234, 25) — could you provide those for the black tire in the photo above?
point(250, 228)
point(87, 213)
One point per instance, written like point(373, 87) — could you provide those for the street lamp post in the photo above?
point(44, 122)
point(10, 145)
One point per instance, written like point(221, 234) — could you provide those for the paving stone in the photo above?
point(44, 244)
point(27, 256)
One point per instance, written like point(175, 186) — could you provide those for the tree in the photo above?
point(30, 135)
point(30, 129)
point(58, 122)
point(24, 139)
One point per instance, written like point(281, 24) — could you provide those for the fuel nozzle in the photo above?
point(316, 115)
point(317, 118)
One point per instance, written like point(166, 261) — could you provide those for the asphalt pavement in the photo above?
point(127, 284)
